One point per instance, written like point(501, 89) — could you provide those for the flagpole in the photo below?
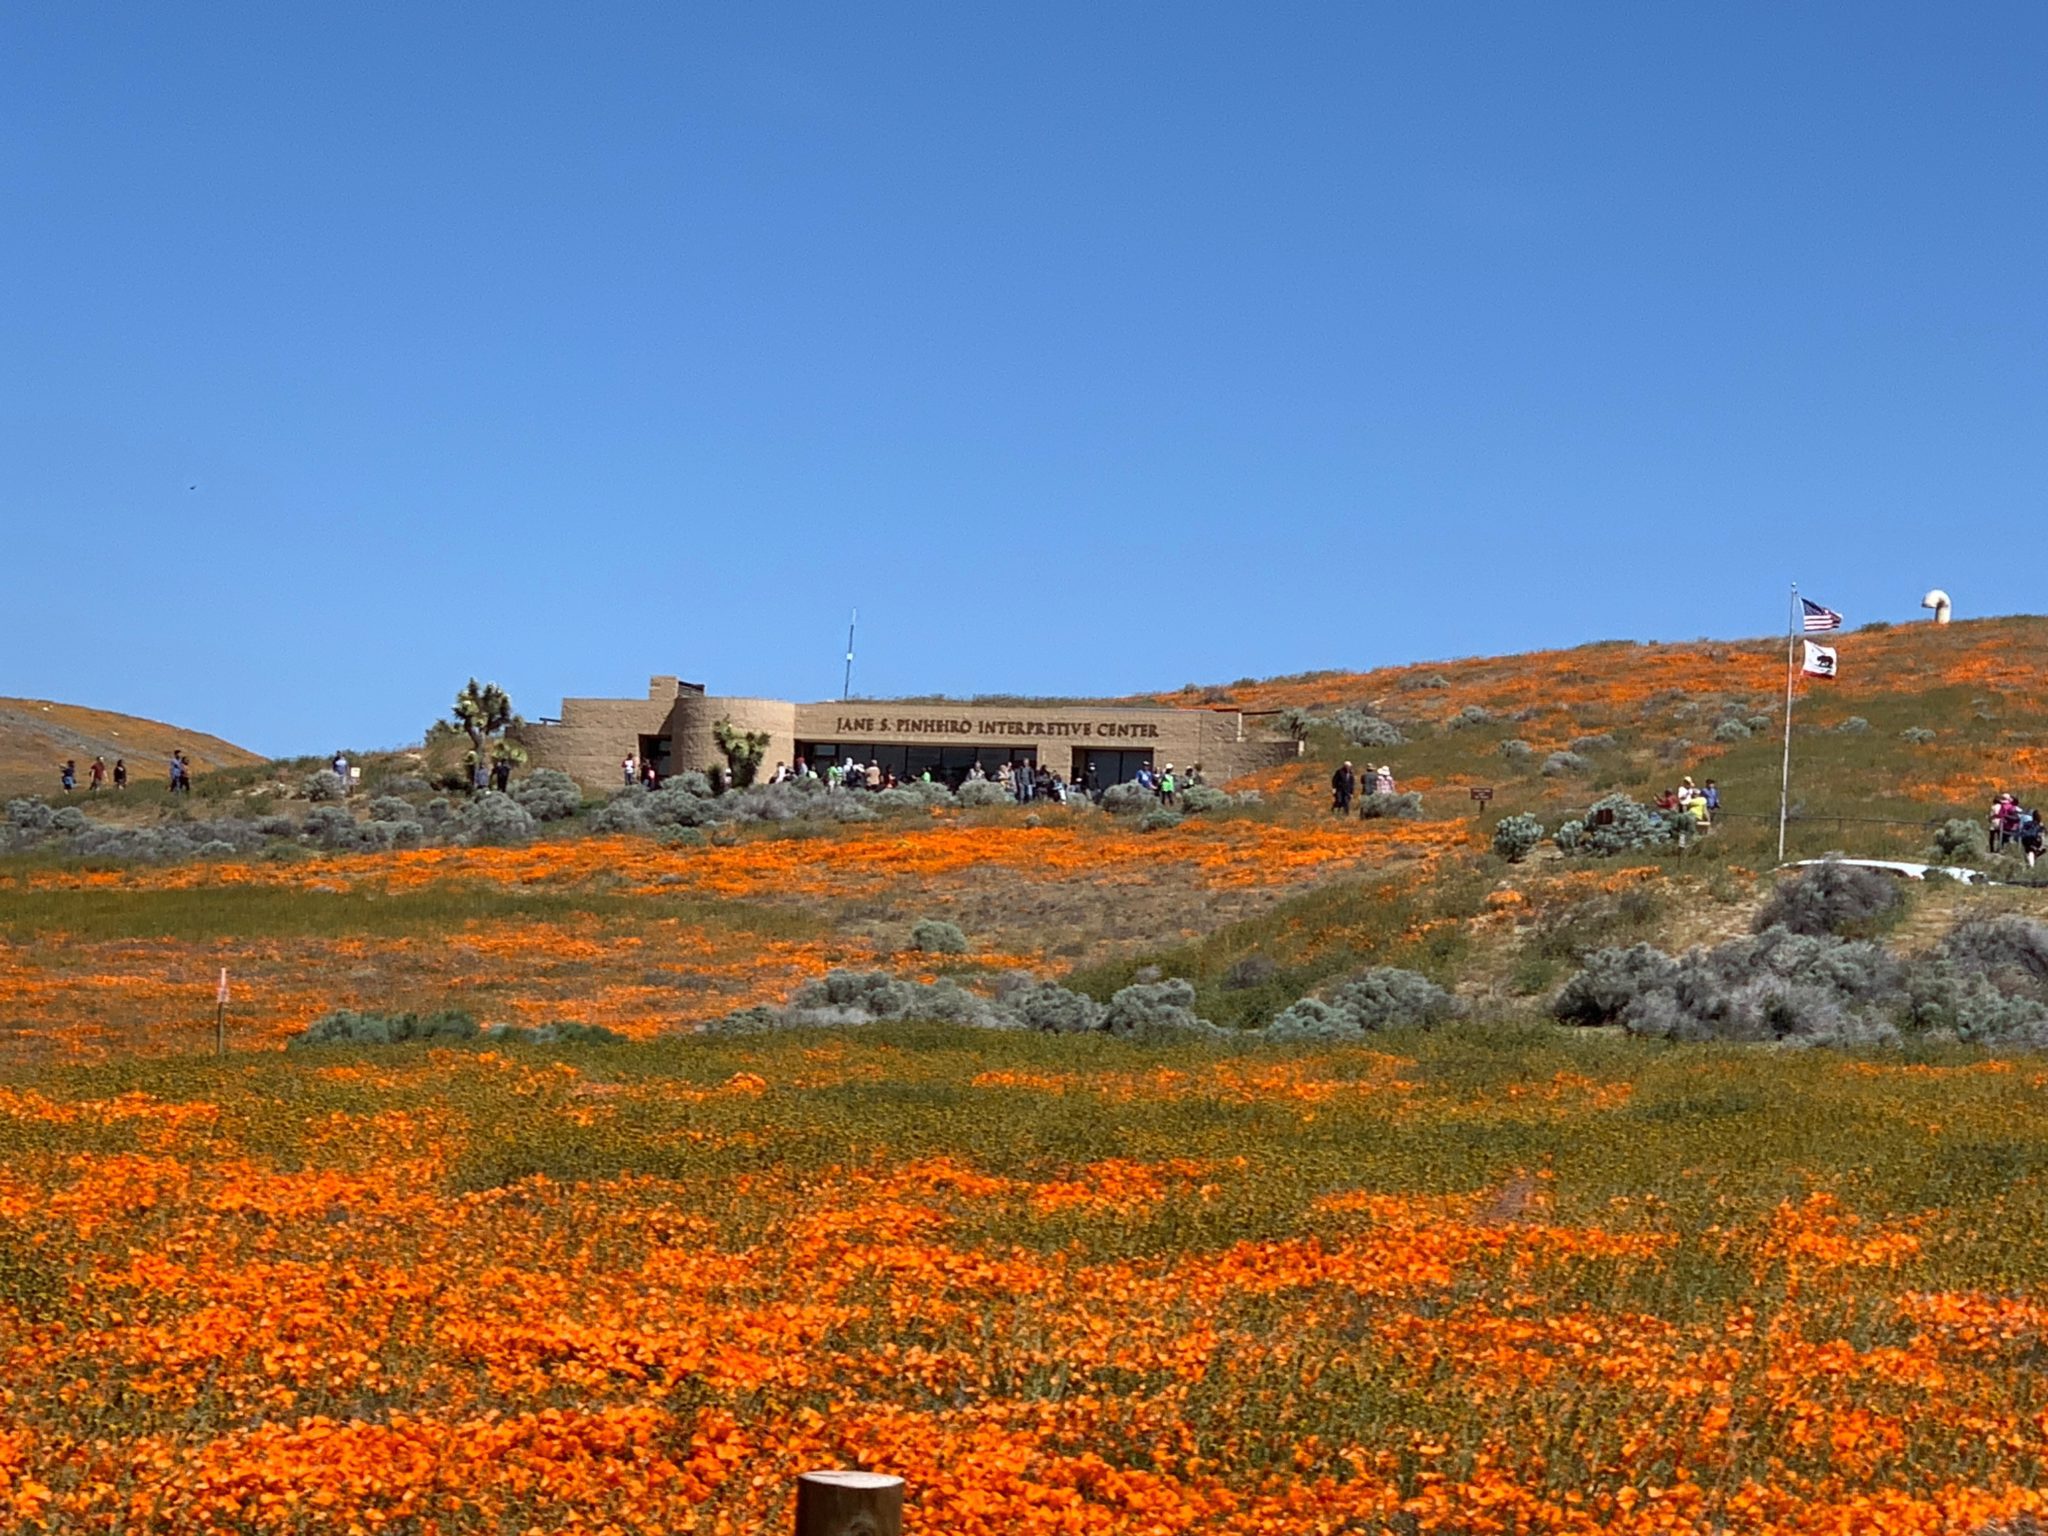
point(1785, 775)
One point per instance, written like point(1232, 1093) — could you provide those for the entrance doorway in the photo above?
point(1096, 770)
point(655, 750)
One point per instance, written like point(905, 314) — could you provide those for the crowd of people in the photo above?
point(98, 775)
point(2015, 826)
point(1699, 803)
point(1349, 783)
point(1021, 780)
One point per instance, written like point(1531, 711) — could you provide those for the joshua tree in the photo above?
point(743, 750)
point(485, 711)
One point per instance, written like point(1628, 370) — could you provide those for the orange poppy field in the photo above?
point(1464, 1283)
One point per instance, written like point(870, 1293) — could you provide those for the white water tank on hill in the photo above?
point(1938, 601)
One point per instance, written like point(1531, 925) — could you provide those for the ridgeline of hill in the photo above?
point(37, 735)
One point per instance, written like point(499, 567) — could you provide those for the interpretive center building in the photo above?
point(1092, 745)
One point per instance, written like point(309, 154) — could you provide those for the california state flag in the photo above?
point(1820, 660)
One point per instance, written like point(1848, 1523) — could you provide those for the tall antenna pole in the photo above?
point(846, 688)
point(1785, 777)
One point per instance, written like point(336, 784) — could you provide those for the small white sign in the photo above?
point(220, 992)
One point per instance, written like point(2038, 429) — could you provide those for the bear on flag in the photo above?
point(1820, 660)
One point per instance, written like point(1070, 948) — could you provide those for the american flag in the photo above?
point(1817, 617)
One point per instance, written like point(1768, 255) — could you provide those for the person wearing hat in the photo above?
point(1342, 784)
point(1383, 780)
point(1166, 786)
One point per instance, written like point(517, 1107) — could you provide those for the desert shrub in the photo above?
point(1609, 981)
point(1731, 730)
point(348, 1027)
point(672, 805)
point(1385, 997)
point(565, 1032)
point(1957, 841)
point(1128, 799)
point(1470, 715)
point(548, 794)
point(1298, 722)
point(1771, 986)
point(1570, 836)
point(1516, 837)
point(626, 811)
point(405, 783)
point(985, 792)
point(1204, 799)
point(276, 826)
point(2003, 945)
point(326, 784)
point(1757, 724)
point(933, 937)
point(1364, 729)
point(1418, 681)
point(1855, 725)
point(69, 820)
point(493, 818)
point(898, 801)
point(392, 809)
point(1916, 735)
point(1159, 819)
point(28, 815)
point(1617, 824)
point(928, 794)
point(1561, 765)
point(1517, 751)
point(1407, 806)
point(1598, 741)
point(1055, 1010)
point(1836, 898)
point(1251, 971)
point(1158, 1010)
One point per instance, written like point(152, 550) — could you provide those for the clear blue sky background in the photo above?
point(1085, 348)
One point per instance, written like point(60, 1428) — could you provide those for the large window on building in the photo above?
point(1095, 770)
point(948, 765)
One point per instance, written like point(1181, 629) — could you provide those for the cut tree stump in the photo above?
point(849, 1504)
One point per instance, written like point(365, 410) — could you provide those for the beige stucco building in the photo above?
point(1089, 744)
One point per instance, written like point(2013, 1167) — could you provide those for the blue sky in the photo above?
point(1085, 349)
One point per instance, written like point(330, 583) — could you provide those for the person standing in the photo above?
point(1166, 786)
point(1343, 784)
point(1383, 780)
point(120, 773)
point(629, 772)
point(96, 775)
point(501, 774)
point(340, 767)
point(68, 774)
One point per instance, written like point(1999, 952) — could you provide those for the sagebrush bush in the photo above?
point(1916, 735)
point(1385, 997)
point(348, 1027)
point(1855, 725)
point(1417, 681)
point(1364, 729)
point(390, 808)
point(986, 792)
point(1159, 819)
point(1609, 980)
point(933, 937)
point(1570, 835)
point(492, 818)
point(1561, 765)
point(1470, 715)
point(1617, 824)
point(28, 815)
point(1128, 799)
point(1516, 837)
point(1206, 800)
point(1958, 841)
point(326, 784)
point(1158, 1010)
point(1731, 730)
point(1517, 751)
point(1406, 805)
point(564, 1032)
point(548, 794)
point(2003, 945)
point(1597, 741)
point(1834, 898)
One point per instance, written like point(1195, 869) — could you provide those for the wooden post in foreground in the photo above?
point(849, 1504)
